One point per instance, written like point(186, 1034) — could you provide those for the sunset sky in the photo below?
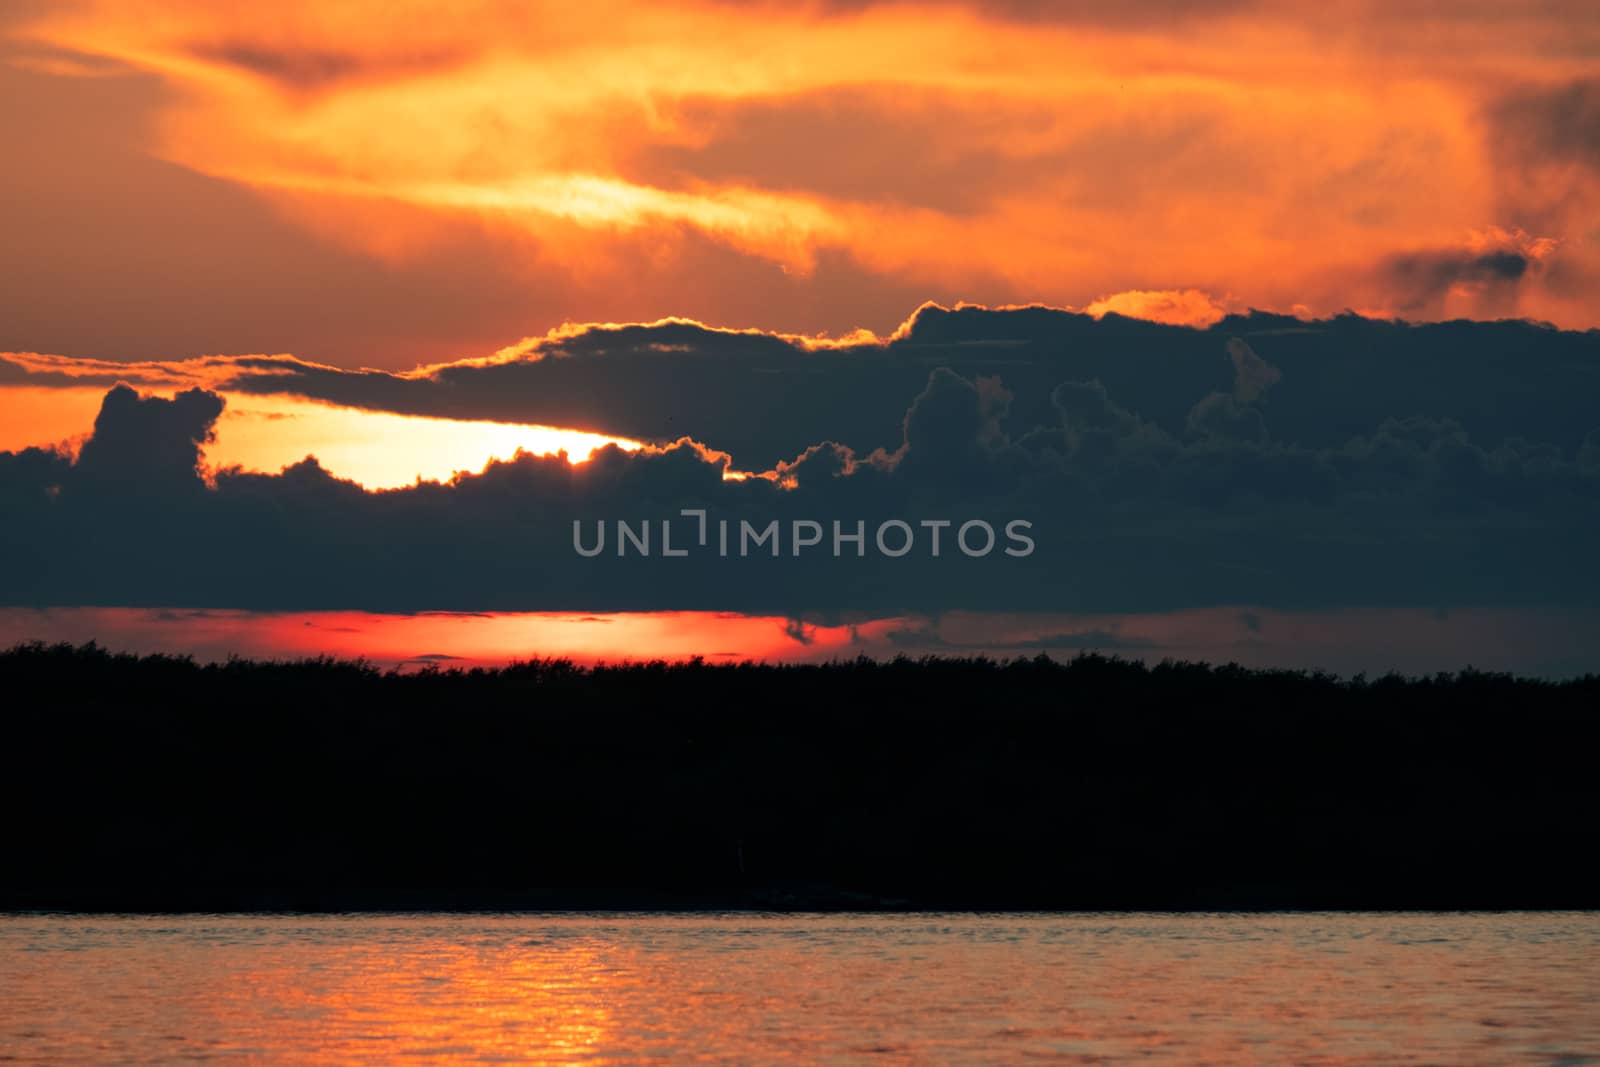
point(407, 243)
point(375, 182)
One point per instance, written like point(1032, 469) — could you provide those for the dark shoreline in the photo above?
point(163, 786)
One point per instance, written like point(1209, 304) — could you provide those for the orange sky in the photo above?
point(1552, 642)
point(376, 183)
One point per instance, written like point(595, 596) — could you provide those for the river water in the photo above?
point(763, 989)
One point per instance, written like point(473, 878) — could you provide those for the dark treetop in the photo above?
point(160, 784)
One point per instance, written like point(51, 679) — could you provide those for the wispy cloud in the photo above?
point(806, 166)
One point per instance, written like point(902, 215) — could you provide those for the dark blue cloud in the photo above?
point(1226, 499)
point(765, 399)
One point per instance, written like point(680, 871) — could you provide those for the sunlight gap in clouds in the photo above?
point(377, 450)
point(380, 450)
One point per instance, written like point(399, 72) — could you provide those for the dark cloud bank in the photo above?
point(765, 399)
point(1268, 461)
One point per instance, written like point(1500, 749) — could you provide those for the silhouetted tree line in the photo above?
point(157, 783)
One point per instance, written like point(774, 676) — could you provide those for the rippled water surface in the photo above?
point(1248, 989)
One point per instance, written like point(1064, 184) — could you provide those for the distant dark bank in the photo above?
point(159, 784)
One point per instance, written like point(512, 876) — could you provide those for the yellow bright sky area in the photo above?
point(377, 449)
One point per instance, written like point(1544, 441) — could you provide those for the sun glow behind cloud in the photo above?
point(378, 450)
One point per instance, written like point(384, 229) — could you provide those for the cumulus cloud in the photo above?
point(1251, 374)
point(1221, 416)
point(764, 398)
point(1227, 504)
point(147, 445)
